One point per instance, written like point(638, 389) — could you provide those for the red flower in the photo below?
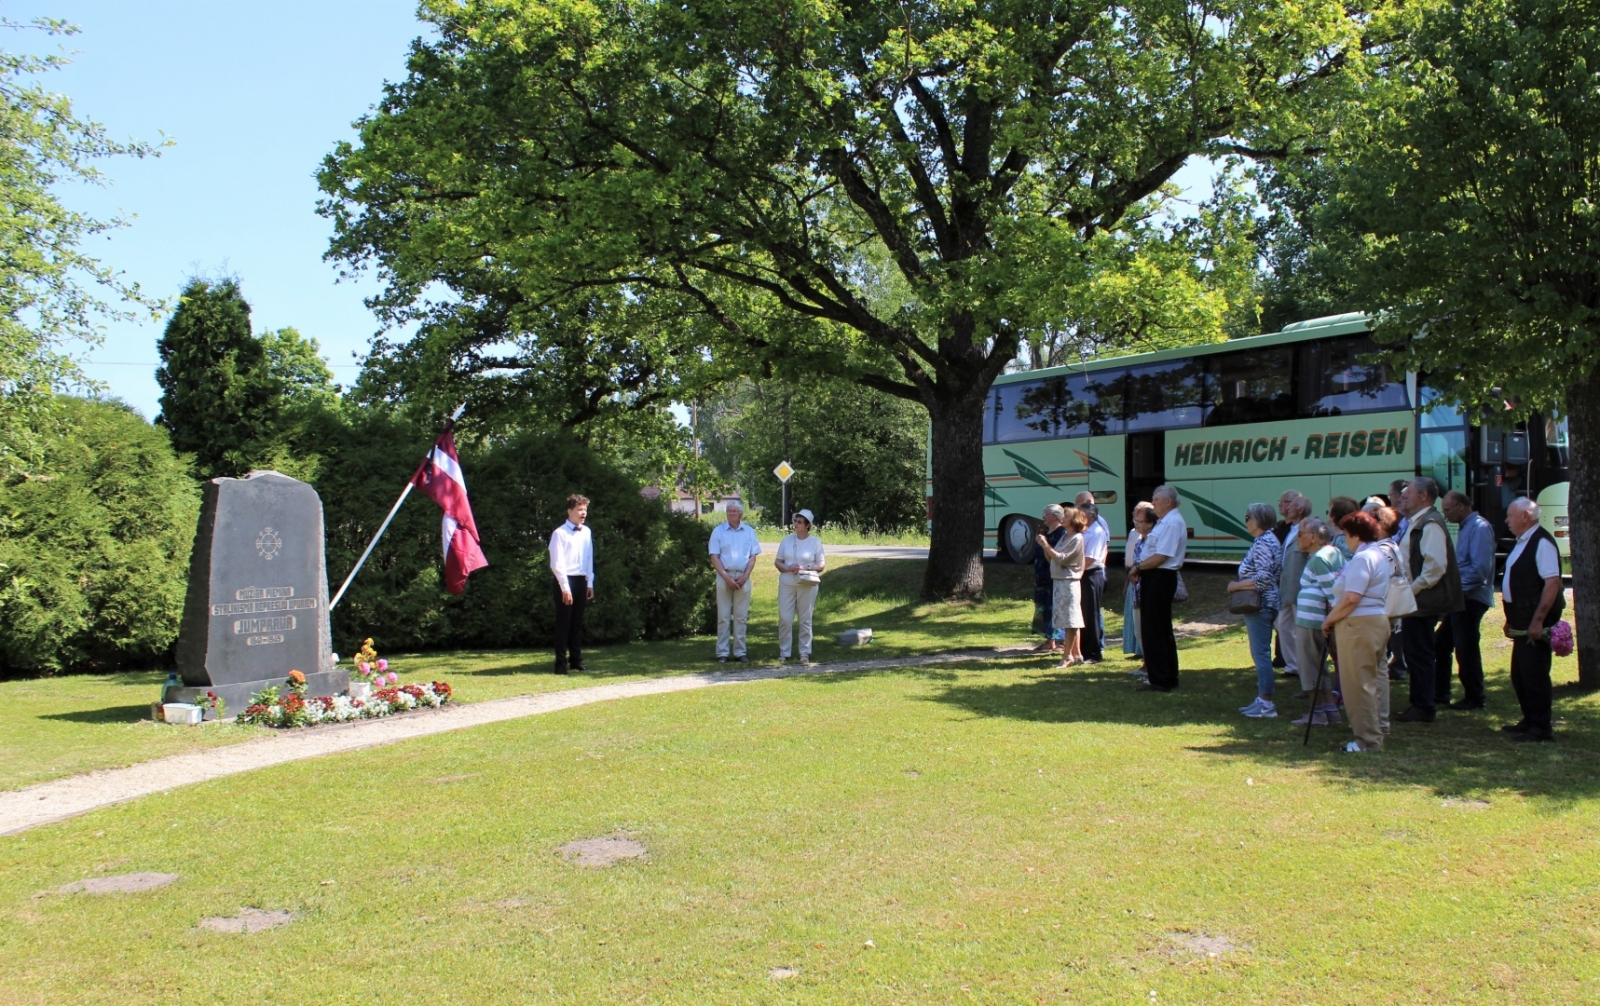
point(415, 691)
point(441, 689)
point(389, 695)
point(259, 709)
point(293, 703)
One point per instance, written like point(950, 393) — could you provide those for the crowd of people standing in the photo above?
point(1368, 594)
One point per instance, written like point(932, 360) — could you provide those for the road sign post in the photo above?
point(784, 471)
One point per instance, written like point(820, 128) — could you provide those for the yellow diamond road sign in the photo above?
point(783, 471)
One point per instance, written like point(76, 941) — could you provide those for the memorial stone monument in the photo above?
point(257, 605)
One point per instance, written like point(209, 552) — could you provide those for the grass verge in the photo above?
point(1000, 833)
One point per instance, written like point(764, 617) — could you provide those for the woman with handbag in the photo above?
point(800, 561)
point(1359, 624)
point(1066, 569)
point(1255, 596)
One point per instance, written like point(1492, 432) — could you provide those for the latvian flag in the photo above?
point(440, 477)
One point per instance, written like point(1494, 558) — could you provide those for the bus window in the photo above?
point(1555, 440)
point(1251, 387)
point(1334, 381)
point(1442, 456)
point(1066, 405)
point(1435, 414)
point(1164, 396)
point(1018, 415)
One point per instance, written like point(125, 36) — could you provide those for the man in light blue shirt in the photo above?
point(733, 551)
point(1458, 632)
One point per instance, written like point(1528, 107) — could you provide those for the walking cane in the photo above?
point(1322, 669)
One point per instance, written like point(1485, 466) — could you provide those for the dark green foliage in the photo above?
point(653, 579)
point(1468, 206)
point(93, 555)
point(219, 397)
point(859, 455)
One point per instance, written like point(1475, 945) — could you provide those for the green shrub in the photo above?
point(653, 578)
point(94, 553)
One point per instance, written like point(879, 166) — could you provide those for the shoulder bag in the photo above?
point(1398, 600)
point(1244, 602)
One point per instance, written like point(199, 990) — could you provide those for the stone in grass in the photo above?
point(249, 920)
point(602, 852)
point(855, 637)
point(124, 883)
point(779, 974)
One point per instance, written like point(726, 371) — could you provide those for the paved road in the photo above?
point(888, 551)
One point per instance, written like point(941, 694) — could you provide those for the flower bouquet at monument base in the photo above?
point(288, 705)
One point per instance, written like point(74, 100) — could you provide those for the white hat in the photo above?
point(810, 520)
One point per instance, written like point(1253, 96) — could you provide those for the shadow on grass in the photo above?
point(1459, 755)
point(110, 714)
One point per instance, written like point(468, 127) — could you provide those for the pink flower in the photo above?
point(362, 668)
point(1561, 639)
point(383, 665)
point(394, 678)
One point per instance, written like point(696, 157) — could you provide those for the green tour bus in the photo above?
point(1234, 423)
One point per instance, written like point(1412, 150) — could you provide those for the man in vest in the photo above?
point(1436, 582)
point(1531, 593)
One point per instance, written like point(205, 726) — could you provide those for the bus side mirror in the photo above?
point(1516, 448)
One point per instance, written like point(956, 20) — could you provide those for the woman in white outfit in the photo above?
point(800, 561)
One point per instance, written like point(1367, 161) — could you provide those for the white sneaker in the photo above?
point(1254, 705)
point(1265, 711)
point(1354, 747)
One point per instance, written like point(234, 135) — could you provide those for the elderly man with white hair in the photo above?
point(1532, 595)
point(1436, 582)
point(1157, 577)
point(733, 553)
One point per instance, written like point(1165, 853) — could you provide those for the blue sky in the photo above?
point(253, 96)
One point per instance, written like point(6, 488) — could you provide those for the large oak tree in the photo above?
point(894, 192)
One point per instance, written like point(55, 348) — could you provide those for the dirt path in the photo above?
point(64, 798)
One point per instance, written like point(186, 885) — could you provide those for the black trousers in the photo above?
point(1156, 587)
point(1530, 677)
point(569, 621)
point(1458, 637)
point(1092, 639)
point(1416, 636)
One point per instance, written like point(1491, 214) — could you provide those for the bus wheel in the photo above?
point(1016, 537)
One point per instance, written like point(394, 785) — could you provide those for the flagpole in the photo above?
point(411, 482)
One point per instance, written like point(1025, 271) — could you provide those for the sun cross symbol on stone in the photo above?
point(268, 544)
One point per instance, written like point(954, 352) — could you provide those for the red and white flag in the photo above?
point(440, 477)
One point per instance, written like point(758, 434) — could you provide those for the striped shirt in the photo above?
point(1263, 563)
point(1317, 594)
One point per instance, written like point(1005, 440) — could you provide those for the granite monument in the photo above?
point(257, 605)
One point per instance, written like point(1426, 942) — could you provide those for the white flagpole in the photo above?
point(392, 511)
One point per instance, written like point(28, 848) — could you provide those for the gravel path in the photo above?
point(64, 798)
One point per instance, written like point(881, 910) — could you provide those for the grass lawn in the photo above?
point(998, 833)
point(60, 726)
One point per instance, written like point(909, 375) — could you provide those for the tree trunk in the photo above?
point(955, 555)
point(1583, 430)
